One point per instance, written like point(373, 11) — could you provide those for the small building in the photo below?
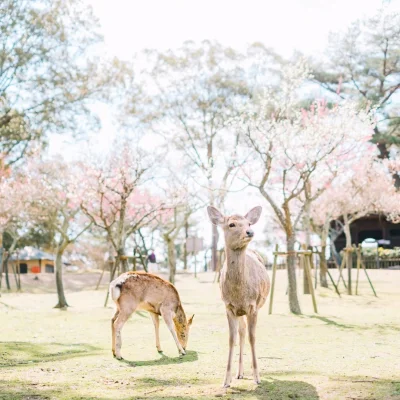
point(32, 260)
point(373, 226)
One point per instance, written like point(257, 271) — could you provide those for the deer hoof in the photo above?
point(118, 357)
point(240, 376)
point(257, 382)
point(159, 350)
point(226, 385)
point(182, 353)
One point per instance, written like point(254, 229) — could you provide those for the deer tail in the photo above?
point(115, 291)
point(116, 285)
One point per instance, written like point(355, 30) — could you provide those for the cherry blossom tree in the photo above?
point(182, 202)
point(322, 230)
point(115, 199)
point(51, 72)
point(196, 90)
point(15, 191)
point(57, 190)
point(170, 226)
point(297, 153)
point(366, 188)
point(362, 62)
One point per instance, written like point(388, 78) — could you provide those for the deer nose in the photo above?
point(250, 233)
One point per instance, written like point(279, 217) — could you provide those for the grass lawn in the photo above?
point(350, 350)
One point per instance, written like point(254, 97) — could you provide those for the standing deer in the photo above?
point(244, 284)
point(133, 291)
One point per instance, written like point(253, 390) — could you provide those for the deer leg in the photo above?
point(125, 312)
point(252, 323)
point(167, 315)
point(113, 332)
point(233, 328)
point(118, 324)
point(242, 336)
point(156, 322)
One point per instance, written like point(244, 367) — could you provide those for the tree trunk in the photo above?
point(171, 260)
point(307, 226)
point(1, 257)
point(6, 271)
point(348, 255)
point(16, 268)
point(123, 259)
point(62, 301)
point(323, 268)
point(1, 265)
point(335, 253)
point(185, 255)
point(144, 262)
point(115, 268)
point(214, 254)
point(291, 262)
point(214, 229)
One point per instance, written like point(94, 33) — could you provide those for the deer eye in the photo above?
point(232, 225)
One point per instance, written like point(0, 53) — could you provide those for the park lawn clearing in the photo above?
point(350, 350)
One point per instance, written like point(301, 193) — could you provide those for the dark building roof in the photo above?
point(32, 253)
point(373, 226)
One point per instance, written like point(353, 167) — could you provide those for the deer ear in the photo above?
point(254, 215)
point(215, 216)
point(190, 320)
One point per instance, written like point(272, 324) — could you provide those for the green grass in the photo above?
point(350, 350)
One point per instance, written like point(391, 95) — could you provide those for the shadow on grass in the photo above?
point(157, 383)
point(157, 389)
point(331, 322)
point(8, 306)
point(277, 389)
point(24, 353)
point(164, 360)
point(385, 327)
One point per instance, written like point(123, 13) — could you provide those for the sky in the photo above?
point(285, 25)
point(130, 26)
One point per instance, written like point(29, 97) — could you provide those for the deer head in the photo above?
point(182, 327)
point(237, 229)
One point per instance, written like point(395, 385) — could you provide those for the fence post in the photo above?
point(358, 250)
point(369, 280)
point(271, 298)
point(306, 266)
point(333, 282)
point(349, 262)
point(316, 267)
point(342, 265)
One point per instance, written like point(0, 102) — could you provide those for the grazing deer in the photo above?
point(133, 291)
point(244, 284)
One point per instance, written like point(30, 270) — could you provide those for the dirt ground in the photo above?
point(350, 350)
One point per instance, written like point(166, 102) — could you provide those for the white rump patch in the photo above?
point(115, 291)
